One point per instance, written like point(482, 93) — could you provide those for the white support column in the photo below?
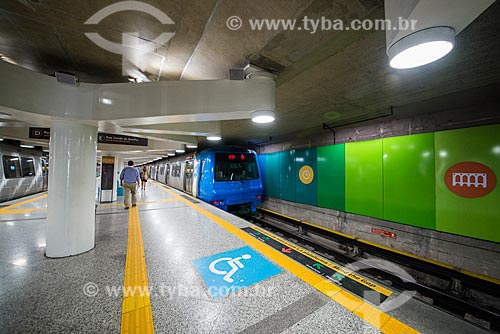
point(71, 200)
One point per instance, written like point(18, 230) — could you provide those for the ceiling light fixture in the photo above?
point(180, 151)
point(105, 100)
point(214, 138)
point(421, 48)
point(170, 154)
point(192, 146)
point(263, 116)
point(26, 146)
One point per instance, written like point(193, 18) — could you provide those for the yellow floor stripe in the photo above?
point(7, 208)
point(137, 316)
point(368, 312)
point(397, 251)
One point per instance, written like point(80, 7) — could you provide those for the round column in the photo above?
point(71, 199)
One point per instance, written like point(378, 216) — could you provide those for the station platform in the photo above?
point(174, 264)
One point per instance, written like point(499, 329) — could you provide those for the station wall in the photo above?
point(444, 181)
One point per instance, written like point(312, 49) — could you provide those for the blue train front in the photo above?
point(227, 178)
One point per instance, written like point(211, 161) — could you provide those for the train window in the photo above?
point(162, 169)
point(28, 167)
point(176, 170)
point(11, 167)
point(235, 167)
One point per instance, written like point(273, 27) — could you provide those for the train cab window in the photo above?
point(28, 167)
point(235, 167)
point(11, 167)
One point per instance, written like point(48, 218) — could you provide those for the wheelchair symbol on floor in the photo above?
point(234, 263)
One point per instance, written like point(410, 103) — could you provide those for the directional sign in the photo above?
point(228, 272)
point(108, 138)
point(39, 133)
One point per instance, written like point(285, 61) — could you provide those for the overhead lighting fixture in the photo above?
point(105, 100)
point(1, 139)
point(421, 48)
point(180, 151)
point(5, 116)
point(171, 154)
point(192, 146)
point(26, 146)
point(263, 116)
point(214, 138)
point(45, 150)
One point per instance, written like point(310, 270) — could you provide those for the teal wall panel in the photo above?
point(305, 184)
point(409, 180)
point(331, 177)
point(474, 217)
point(287, 175)
point(363, 178)
point(272, 179)
point(262, 164)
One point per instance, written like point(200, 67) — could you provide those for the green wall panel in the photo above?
point(272, 179)
point(287, 175)
point(409, 180)
point(305, 193)
point(363, 178)
point(473, 217)
point(331, 177)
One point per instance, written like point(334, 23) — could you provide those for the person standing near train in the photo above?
point(129, 180)
point(144, 177)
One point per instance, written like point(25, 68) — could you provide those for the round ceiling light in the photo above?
point(421, 48)
point(263, 116)
point(214, 138)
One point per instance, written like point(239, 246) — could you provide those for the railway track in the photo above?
point(450, 293)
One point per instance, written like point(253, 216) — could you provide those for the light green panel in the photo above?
point(331, 177)
point(472, 217)
point(272, 179)
point(305, 193)
point(287, 175)
point(363, 178)
point(409, 179)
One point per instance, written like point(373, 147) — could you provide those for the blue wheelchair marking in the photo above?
point(228, 272)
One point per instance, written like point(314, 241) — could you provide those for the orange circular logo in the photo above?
point(470, 179)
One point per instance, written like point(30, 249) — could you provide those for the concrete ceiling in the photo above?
point(325, 77)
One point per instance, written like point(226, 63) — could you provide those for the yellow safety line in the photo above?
point(342, 270)
point(437, 263)
point(15, 205)
point(137, 316)
point(365, 311)
point(21, 211)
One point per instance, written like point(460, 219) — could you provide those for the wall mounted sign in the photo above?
point(384, 233)
point(306, 174)
point(470, 179)
point(108, 138)
point(39, 133)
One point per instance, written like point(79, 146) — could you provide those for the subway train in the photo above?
point(228, 178)
point(23, 172)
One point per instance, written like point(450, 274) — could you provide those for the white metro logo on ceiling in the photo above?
point(132, 48)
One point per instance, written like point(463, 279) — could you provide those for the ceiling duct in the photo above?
point(423, 31)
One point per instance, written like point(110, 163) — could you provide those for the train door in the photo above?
point(188, 177)
point(45, 174)
point(167, 173)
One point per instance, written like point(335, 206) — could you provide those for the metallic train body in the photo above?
point(224, 177)
point(23, 172)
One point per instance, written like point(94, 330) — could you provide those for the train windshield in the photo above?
point(235, 167)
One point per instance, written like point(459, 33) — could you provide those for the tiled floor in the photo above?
point(40, 295)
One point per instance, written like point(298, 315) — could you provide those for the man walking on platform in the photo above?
point(129, 180)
